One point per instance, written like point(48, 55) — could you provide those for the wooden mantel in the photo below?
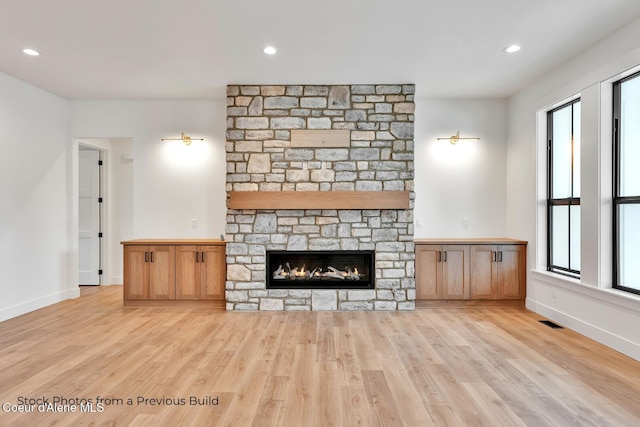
point(319, 200)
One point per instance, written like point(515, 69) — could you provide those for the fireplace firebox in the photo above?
point(320, 269)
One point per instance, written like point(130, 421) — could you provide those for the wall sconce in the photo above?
point(184, 138)
point(455, 138)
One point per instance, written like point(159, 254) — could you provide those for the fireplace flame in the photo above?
point(317, 273)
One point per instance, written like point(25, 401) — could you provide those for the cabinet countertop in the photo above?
point(142, 242)
point(470, 241)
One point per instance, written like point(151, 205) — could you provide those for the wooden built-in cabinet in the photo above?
point(198, 272)
point(174, 271)
point(498, 272)
point(149, 272)
point(442, 272)
point(471, 269)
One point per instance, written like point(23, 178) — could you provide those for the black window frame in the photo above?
point(617, 199)
point(566, 201)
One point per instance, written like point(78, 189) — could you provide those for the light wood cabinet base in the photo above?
point(468, 303)
point(175, 303)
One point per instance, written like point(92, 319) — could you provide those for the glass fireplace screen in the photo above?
point(320, 269)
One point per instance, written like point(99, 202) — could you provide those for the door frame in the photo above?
point(82, 147)
point(103, 146)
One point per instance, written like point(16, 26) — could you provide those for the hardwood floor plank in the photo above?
point(494, 409)
point(303, 376)
point(327, 396)
point(287, 343)
point(439, 366)
point(355, 407)
point(366, 352)
point(270, 410)
point(346, 357)
point(411, 409)
point(325, 338)
point(384, 410)
point(309, 327)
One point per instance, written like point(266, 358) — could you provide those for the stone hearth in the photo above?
point(379, 158)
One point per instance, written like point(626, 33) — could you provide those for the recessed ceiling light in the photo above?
point(31, 52)
point(511, 49)
point(270, 50)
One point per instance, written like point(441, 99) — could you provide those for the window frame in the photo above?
point(617, 200)
point(565, 201)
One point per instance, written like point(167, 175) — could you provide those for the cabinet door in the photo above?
point(511, 271)
point(213, 272)
point(455, 272)
point(483, 272)
point(428, 272)
point(136, 272)
point(187, 272)
point(162, 272)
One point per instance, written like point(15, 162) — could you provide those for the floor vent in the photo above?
point(550, 324)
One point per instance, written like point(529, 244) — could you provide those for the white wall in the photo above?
point(589, 306)
point(157, 194)
point(462, 181)
point(120, 216)
point(172, 184)
point(35, 225)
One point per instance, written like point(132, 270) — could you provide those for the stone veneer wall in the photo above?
point(259, 158)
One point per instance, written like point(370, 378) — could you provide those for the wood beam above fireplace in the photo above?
point(319, 200)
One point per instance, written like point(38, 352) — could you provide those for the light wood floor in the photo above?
point(437, 366)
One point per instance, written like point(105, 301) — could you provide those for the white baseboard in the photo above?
point(38, 303)
point(600, 335)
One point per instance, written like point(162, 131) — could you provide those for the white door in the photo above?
point(89, 216)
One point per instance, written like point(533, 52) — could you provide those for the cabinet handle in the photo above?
point(146, 256)
point(500, 256)
point(494, 255)
point(202, 257)
point(439, 256)
point(197, 254)
point(445, 256)
point(151, 256)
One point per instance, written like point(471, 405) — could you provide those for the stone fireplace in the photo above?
point(262, 160)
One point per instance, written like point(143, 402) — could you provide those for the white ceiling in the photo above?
point(191, 49)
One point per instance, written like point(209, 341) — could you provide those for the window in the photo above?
point(563, 190)
point(626, 183)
